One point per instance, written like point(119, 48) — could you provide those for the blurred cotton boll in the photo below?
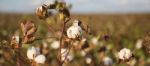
point(94, 40)
point(40, 59)
point(45, 45)
point(83, 53)
point(88, 60)
point(107, 61)
point(139, 43)
point(74, 31)
point(55, 44)
point(70, 57)
point(31, 53)
point(125, 54)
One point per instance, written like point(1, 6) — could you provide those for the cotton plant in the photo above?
point(67, 35)
point(28, 30)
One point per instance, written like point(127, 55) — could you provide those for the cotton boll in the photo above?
point(31, 52)
point(139, 43)
point(40, 59)
point(88, 60)
point(55, 44)
point(125, 54)
point(107, 61)
point(74, 31)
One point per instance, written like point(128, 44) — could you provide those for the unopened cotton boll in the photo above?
point(55, 44)
point(31, 52)
point(125, 54)
point(40, 59)
point(107, 61)
point(75, 30)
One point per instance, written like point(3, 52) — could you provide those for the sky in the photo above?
point(80, 6)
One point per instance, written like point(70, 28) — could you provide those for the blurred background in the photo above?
point(114, 24)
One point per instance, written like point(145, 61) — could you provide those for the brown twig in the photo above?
point(61, 38)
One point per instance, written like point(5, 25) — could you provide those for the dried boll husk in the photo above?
point(28, 29)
